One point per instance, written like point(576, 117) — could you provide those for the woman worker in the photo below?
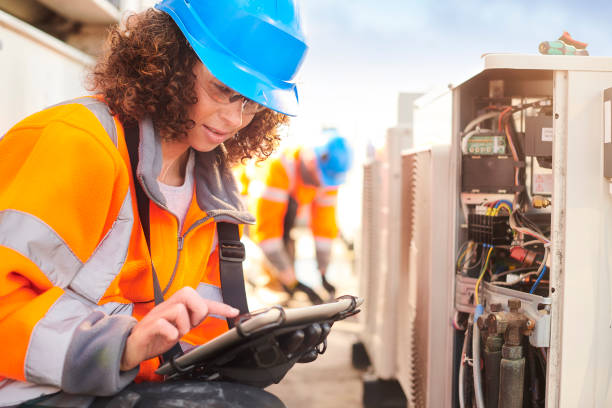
point(192, 86)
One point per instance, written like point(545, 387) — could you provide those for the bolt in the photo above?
point(482, 324)
point(496, 307)
point(514, 305)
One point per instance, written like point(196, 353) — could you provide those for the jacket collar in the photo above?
point(216, 190)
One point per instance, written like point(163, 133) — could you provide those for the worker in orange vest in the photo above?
point(299, 178)
point(87, 253)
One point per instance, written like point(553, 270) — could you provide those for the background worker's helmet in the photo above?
point(254, 47)
point(334, 158)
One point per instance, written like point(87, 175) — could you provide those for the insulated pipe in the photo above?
point(476, 366)
point(492, 361)
point(512, 377)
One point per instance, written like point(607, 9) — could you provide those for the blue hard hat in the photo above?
point(254, 47)
point(334, 158)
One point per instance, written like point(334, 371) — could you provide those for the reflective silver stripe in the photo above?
point(37, 241)
point(210, 292)
point(13, 393)
point(275, 194)
point(323, 244)
point(100, 111)
point(56, 328)
point(54, 332)
point(108, 258)
point(115, 308)
point(326, 200)
point(271, 244)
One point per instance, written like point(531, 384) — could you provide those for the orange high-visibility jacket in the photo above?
point(282, 178)
point(75, 269)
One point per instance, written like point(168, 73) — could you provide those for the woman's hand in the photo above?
point(166, 323)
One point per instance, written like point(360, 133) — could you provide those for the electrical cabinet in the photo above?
point(526, 260)
point(561, 164)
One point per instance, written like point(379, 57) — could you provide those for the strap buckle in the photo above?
point(232, 251)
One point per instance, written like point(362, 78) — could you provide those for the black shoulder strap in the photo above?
point(131, 140)
point(231, 250)
point(231, 255)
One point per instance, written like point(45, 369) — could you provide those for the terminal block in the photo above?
point(489, 229)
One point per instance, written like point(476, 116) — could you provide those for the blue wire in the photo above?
point(535, 284)
point(503, 201)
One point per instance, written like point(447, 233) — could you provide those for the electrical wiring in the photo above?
point(478, 394)
point(540, 237)
point(511, 143)
point(501, 115)
point(513, 271)
point(467, 256)
point(541, 270)
point(456, 324)
point(524, 221)
point(464, 351)
point(462, 251)
point(505, 206)
point(500, 202)
point(529, 243)
point(461, 257)
point(482, 272)
point(478, 120)
point(519, 279)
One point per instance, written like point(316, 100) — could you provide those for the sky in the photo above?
point(364, 52)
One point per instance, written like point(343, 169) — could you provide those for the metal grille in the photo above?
point(412, 327)
point(370, 254)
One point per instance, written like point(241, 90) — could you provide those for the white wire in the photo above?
point(466, 338)
point(478, 120)
point(478, 396)
point(520, 278)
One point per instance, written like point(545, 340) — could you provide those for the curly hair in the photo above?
point(147, 70)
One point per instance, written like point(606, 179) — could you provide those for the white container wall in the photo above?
point(36, 70)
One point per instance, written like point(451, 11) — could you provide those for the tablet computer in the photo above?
point(258, 323)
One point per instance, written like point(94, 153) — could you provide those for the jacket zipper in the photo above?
point(180, 238)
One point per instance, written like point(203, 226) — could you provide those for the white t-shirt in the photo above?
point(178, 198)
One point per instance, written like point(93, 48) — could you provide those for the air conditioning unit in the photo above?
point(424, 336)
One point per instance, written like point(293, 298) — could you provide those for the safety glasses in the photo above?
point(224, 95)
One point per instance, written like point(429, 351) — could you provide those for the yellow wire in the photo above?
point(484, 268)
point(503, 205)
point(467, 249)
